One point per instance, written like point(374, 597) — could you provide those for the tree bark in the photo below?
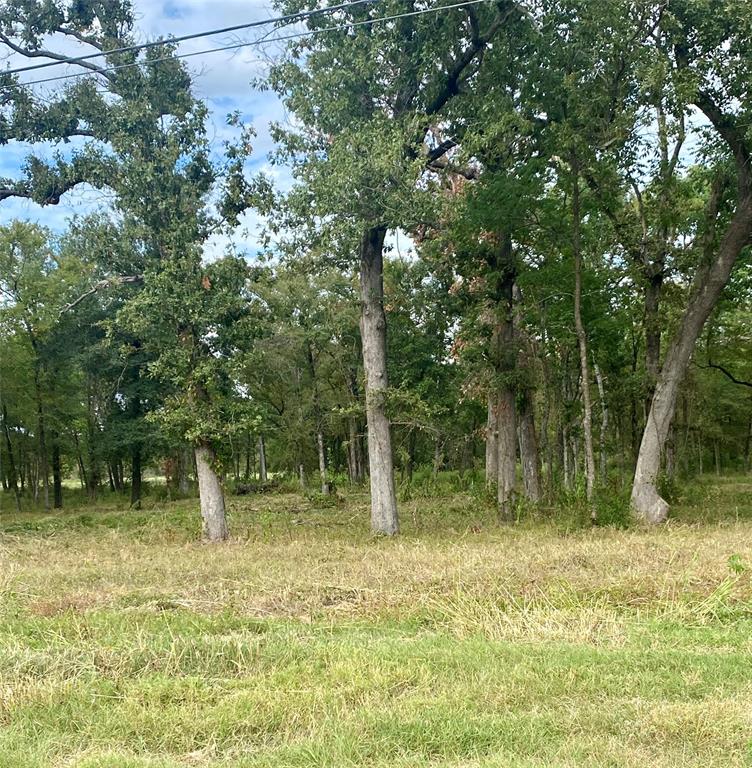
point(653, 289)
point(211, 496)
point(41, 436)
point(709, 282)
point(136, 476)
point(57, 480)
point(262, 459)
point(529, 457)
point(320, 446)
point(604, 422)
point(492, 443)
point(587, 407)
point(321, 449)
point(12, 472)
point(384, 518)
point(507, 461)
point(183, 469)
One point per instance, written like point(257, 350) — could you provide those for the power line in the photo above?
point(236, 46)
point(288, 19)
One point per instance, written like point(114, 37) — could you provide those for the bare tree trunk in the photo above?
point(604, 421)
point(492, 443)
point(653, 289)
point(565, 457)
point(352, 459)
point(507, 461)
point(210, 494)
point(671, 452)
point(707, 286)
point(262, 459)
point(136, 476)
point(12, 473)
point(529, 449)
point(322, 463)
point(183, 469)
point(587, 407)
point(384, 517)
point(57, 480)
point(42, 438)
point(320, 447)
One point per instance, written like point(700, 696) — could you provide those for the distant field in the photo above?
point(125, 643)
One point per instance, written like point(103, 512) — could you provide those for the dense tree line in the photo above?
point(516, 247)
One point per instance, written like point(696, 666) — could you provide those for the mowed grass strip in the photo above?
point(126, 644)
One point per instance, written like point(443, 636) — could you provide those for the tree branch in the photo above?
point(101, 285)
point(726, 373)
point(43, 53)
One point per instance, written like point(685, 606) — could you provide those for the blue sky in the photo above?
point(222, 79)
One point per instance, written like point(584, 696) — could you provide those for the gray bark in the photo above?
point(211, 496)
point(587, 407)
point(12, 473)
point(262, 459)
point(707, 286)
point(384, 517)
point(322, 463)
point(507, 460)
point(492, 443)
point(529, 457)
point(604, 421)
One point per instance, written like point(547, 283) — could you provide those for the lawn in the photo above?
point(126, 643)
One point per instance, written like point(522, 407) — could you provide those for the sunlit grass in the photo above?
point(125, 642)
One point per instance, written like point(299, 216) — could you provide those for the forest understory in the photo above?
point(124, 642)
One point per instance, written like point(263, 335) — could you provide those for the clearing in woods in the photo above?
point(124, 643)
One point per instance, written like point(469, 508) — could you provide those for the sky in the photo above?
point(222, 79)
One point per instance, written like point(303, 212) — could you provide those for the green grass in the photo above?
point(126, 643)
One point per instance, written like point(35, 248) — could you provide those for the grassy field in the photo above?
point(125, 643)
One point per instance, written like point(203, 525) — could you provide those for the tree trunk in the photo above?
point(183, 469)
point(671, 453)
point(12, 472)
point(529, 449)
point(507, 461)
point(321, 449)
point(136, 476)
point(438, 456)
point(210, 494)
point(653, 288)
point(587, 407)
point(412, 440)
point(384, 517)
point(262, 459)
point(492, 443)
point(707, 286)
point(604, 421)
point(57, 480)
point(42, 439)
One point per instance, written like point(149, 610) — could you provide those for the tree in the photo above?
point(369, 98)
point(720, 88)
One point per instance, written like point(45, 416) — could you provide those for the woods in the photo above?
point(514, 247)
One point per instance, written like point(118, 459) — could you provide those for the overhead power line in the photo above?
point(249, 43)
point(290, 18)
